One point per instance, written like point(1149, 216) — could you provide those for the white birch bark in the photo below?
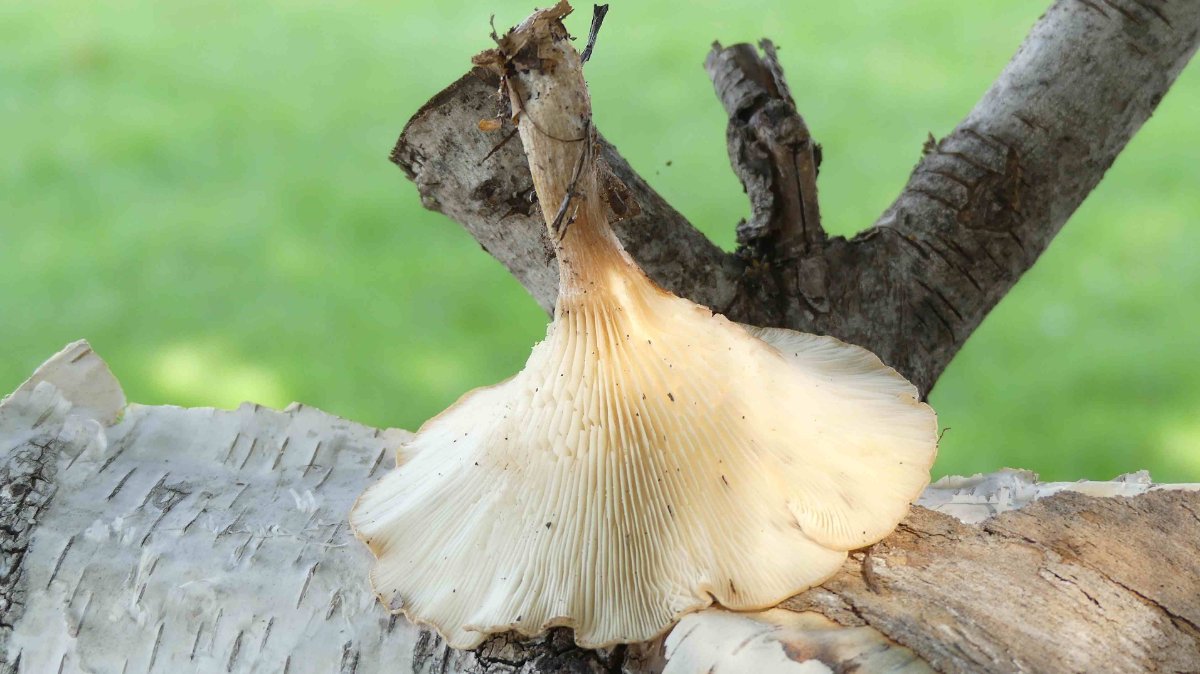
point(191, 539)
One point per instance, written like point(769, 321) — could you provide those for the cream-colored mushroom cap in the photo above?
point(652, 457)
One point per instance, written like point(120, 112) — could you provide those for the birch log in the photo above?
point(163, 539)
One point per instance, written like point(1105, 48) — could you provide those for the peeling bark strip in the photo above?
point(978, 210)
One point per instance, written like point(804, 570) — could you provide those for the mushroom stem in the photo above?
point(543, 78)
point(652, 457)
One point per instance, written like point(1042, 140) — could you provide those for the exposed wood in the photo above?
point(1069, 583)
point(978, 210)
point(171, 539)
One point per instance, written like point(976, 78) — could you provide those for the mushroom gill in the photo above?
point(653, 456)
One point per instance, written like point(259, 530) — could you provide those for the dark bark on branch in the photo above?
point(978, 210)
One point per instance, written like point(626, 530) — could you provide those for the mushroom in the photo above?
point(653, 456)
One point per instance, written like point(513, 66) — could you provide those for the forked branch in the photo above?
point(978, 210)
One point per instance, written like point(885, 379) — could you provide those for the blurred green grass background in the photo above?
point(201, 189)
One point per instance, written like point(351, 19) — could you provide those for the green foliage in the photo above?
point(201, 189)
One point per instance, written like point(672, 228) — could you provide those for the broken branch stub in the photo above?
point(771, 151)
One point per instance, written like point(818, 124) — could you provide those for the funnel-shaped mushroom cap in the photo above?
point(651, 456)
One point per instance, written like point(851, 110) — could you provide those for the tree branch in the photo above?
point(985, 201)
point(978, 210)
